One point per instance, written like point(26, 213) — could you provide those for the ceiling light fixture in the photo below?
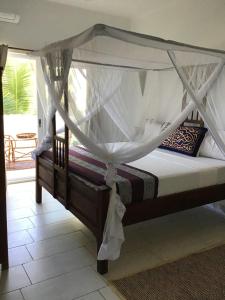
point(9, 18)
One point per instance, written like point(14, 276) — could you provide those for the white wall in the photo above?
point(43, 22)
point(198, 22)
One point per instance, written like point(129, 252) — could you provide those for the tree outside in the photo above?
point(17, 89)
point(20, 95)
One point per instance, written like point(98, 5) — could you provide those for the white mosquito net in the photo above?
point(126, 95)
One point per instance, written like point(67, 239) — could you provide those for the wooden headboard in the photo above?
point(194, 118)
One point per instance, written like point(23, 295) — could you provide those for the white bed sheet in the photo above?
point(178, 172)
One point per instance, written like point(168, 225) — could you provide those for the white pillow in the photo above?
point(209, 147)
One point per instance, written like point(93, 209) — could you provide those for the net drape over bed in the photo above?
point(48, 109)
point(126, 95)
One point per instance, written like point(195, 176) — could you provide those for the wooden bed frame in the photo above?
point(90, 206)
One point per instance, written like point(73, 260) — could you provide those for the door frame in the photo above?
point(4, 260)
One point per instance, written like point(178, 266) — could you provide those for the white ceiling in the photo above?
point(123, 8)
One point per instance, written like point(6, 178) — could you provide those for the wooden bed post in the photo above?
point(66, 159)
point(102, 265)
point(54, 156)
point(60, 152)
point(3, 215)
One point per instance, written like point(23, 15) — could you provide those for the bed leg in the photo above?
point(38, 192)
point(38, 186)
point(102, 266)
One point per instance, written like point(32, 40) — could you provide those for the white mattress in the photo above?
point(178, 172)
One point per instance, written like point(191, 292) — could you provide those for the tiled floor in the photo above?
point(53, 256)
point(20, 175)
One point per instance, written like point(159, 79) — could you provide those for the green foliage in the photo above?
point(17, 89)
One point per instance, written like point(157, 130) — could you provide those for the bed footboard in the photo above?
point(89, 205)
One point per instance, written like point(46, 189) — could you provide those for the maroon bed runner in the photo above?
point(133, 184)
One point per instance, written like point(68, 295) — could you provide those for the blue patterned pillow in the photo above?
point(185, 140)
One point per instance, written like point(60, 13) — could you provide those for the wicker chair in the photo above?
point(9, 150)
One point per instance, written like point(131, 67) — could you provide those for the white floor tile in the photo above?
point(47, 207)
point(213, 235)
point(183, 234)
point(53, 230)
point(134, 241)
point(59, 264)
point(67, 287)
point(19, 238)
point(92, 296)
point(20, 176)
point(19, 256)
point(13, 279)
point(12, 296)
point(87, 232)
point(14, 214)
point(109, 294)
point(46, 195)
point(21, 187)
point(18, 225)
point(57, 245)
point(52, 217)
point(131, 263)
point(17, 203)
point(177, 247)
point(17, 191)
point(60, 242)
point(92, 247)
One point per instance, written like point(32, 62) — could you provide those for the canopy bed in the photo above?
point(122, 95)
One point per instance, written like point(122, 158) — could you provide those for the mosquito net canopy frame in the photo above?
point(125, 96)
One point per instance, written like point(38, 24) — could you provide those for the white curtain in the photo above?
point(48, 110)
point(116, 112)
point(42, 89)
